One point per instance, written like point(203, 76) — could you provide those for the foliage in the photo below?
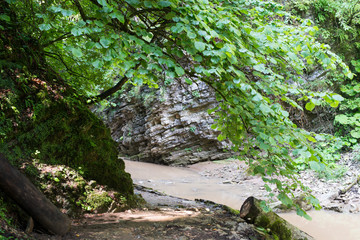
point(339, 22)
point(3, 212)
point(68, 189)
point(250, 52)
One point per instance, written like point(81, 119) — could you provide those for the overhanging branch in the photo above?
point(110, 91)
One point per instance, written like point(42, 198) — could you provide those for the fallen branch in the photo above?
point(345, 190)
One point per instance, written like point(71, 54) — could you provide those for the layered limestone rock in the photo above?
point(169, 125)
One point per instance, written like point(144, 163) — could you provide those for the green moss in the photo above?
point(279, 229)
point(231, 210)
point(70, 134)
point(98, 200)
point(263, 221)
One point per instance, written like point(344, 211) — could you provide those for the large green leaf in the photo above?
point(200, 46)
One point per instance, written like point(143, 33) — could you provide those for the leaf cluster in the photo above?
point(251, 52)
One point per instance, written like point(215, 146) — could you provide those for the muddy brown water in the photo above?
point(189, 183)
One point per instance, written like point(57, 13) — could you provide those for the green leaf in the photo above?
point(337, 97)
point(264, 146)
point(335, 104)
point(302, 213)
point(132, 2)
point(67, 13)
point(76, 31)
point(118, 15)
point(44, 27)
point(260, 68)
point(311, 139)
point(97, 64)
point(164, 4)
point(259, 170)
point(99, 23)
point(221, 137)
point(102, 2)
point(77, 52)
point(198, 58)
point(148, 4)
point(191, 35)
point(343, 119)
point(265, 109)
point(179, 71)
point(257, 98)
point(188, 81)
point(5, 17)
point(310, 106)
point(265, 207)
point(355, 133)
point(315, 166)
point(89, 45)
point(200, 46)
point(105, 42)
point(285, 199)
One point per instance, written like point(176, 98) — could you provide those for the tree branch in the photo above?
point(111, 90)
point(81, 10)
point(55, 40)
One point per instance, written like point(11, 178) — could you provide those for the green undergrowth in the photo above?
point(69, 190)
point(12, 219)
point(61, 146)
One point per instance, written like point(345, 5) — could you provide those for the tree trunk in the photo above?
point(252, 212)
point(24, 193)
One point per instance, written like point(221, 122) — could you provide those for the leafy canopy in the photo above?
point(250, 52)
point(339, 21)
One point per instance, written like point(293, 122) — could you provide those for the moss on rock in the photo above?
point(74, 136)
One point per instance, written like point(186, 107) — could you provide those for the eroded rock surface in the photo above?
point(169, 127)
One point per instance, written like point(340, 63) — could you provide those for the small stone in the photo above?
point(187, 228)
point(231, 223)
point(241, 227)
point(193, 209)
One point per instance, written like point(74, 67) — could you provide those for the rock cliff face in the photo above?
point(169, 125)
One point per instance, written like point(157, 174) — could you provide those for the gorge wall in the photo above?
point(169, 125)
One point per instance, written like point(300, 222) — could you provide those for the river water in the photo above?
point(190, 184)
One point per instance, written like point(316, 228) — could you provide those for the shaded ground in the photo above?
point(164, 217)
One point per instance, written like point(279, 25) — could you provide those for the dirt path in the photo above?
point(164, 217)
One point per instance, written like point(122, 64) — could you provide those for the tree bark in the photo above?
point(252, 212)
point(28, 197)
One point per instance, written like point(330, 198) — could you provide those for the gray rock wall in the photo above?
point(169, 125)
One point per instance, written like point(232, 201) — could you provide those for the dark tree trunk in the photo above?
point(24, 193)
point(252, 212)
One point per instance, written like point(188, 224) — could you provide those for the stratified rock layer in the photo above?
point(169, 125)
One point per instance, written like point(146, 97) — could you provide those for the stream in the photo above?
point(196, 182)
